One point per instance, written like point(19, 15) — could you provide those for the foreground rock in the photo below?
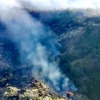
point(34, 91)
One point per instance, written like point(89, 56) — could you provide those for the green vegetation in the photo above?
point(80, 61)
point(80, 53)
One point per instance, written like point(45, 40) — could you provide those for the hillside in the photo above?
point(16, 82)
point(78, 33)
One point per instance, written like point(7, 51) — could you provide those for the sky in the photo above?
point(63, 4)
point(50, 4)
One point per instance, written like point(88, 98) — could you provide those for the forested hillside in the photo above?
point(78, 32)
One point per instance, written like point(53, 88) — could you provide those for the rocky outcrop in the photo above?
point(35, 91)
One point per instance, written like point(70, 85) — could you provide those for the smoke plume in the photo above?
point(36, 42)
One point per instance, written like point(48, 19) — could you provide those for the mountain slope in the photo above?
point(78, 33)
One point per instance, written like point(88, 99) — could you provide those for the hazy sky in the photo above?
point(51, 4)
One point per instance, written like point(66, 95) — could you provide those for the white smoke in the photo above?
point(61, 4)
point(50, 4)
point(29, 34)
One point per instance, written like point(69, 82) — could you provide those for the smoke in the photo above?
point(50, 4)
point(60, 4)
point(37, 46)
point(36, 42)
